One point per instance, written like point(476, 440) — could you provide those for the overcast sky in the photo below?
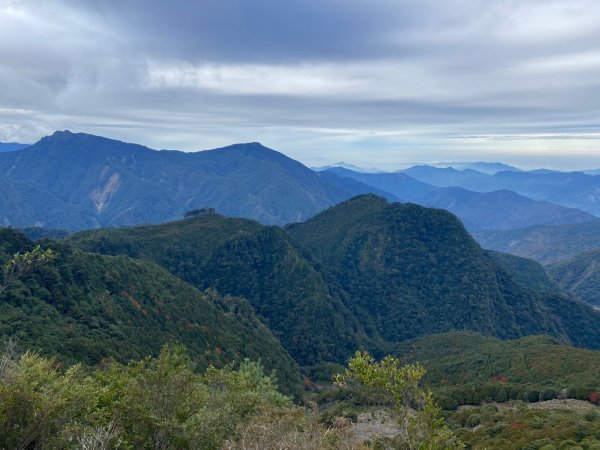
point(377, 83)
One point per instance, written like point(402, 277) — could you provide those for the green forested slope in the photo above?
point(364, 273)
point(526, 272)
point(465, 368)
point(579, 276)
point(86, 307)
point(243, 258)
point(466, 364)
point(416, 271)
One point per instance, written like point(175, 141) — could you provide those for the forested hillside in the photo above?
point(260, 263)
point(364, 273)
point(416, 271)
point(466, 368)
point(526, 272)
point(87, 307)
point(579, 276)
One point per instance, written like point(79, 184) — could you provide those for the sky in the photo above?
point(375, 83)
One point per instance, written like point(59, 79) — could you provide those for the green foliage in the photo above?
point(262, 264)
point(21, 263)
point(364, 274)
point(159, 403)
point(85, 308)
point(518, 427)
point(420, 424)
point(416, 271)
point(526, 272)
point(465, 368)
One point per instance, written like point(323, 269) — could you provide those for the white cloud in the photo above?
point(388, 80)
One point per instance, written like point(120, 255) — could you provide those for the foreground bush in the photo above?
point(158, 403)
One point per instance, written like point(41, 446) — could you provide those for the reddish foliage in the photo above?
point(503, 379)
point(594, 397)
point(516, 426)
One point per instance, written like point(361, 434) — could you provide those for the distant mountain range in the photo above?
point(572, 189)
point(490, 168)
point(347, 166)
point(78, 181)
point(498, 210)
point(546, 244)
point(11, 146)
point(444, 176)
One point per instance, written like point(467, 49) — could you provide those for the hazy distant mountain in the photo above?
point(501, 210)
point(77, 181)
point(443, 177)
point(398, 184)
point(497, 210)
point(573, 189)
point(489, 168)
point(11, 146)
point(545, 244)
point(346, 166)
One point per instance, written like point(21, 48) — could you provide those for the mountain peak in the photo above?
point(60, 136)
point(64, 133)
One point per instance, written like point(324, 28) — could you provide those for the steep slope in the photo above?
point(580, 276)
point(416, 271)
point(496, 210)
point(262, 264)
point(545, 244)
point(526, 272)
point(77, 181)
point(365, 273)
point(86, 307)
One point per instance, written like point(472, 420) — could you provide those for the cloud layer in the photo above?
point(378, 82)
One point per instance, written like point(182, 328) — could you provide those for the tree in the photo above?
point(387, 382)
point(21, 263)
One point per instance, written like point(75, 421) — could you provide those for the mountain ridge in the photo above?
point(503, 209)
point(369, 273)
point(86, 181)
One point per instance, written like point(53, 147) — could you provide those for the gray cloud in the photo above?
point(372, 82)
